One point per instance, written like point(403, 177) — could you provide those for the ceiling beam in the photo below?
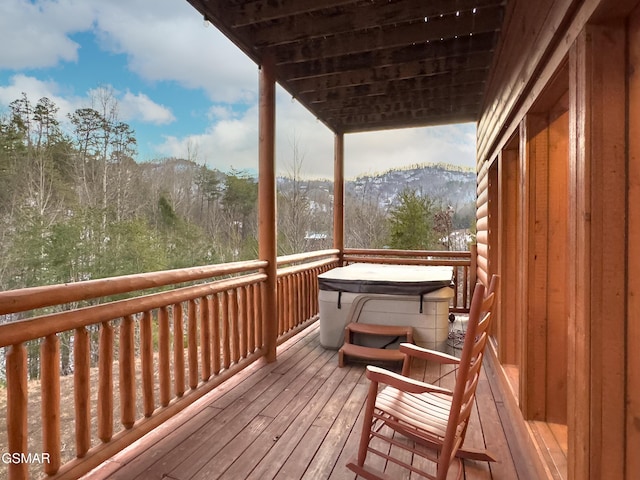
point(469, 78)
point(405, 120)
point(259, 11)
point(377, 38)
point(400, 104)
point(466, 45)
point(397, 72)
point(355, 17)
point(410, 95)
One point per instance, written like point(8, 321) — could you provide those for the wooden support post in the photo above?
point(597, 227)
point(267, 246)
point(633, 242)
point(338, 195)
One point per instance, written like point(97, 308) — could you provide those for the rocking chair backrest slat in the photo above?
point(468, 373)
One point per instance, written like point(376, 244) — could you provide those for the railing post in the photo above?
point(338, 196)
point(17, 400)
point(473, 269)
point(267, 248)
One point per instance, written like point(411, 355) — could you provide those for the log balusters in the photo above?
point(82, 390)
point(216, 352)
point(146, 352)
point(127, 374)
point(192, 344)
point(178, 350)
point(50, 401)
point(105, 382)
point(225, 337)
point(232, 298)
point(205, 339)
point(17, 397)
point(164, 339)
point(153, 354)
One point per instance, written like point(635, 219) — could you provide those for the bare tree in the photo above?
point(365, 218)
point(294, 208)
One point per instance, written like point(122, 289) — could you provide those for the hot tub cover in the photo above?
point(387, 279)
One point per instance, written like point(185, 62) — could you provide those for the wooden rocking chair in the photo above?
point(433, 419)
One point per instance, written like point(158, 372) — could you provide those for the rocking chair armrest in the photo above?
point(426, 354)
point(406, 384)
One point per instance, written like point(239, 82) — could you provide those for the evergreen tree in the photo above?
point(411, 222)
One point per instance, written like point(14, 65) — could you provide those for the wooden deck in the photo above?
point(295, 418)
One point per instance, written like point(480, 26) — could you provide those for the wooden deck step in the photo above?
point(368, 353)
point(371, 353)
point(388, 330)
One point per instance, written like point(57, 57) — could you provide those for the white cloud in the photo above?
point(168, 40)
point(141, 107)
point(164, 40)
point(36, 35)
point(221, 112)
point(130, 106)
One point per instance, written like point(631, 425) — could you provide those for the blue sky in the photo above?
point(184, 88)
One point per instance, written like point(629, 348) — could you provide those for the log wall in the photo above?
point(576, 220)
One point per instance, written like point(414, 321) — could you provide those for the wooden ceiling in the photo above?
point(361, 65)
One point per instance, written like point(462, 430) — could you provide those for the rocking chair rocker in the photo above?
point(432, 420)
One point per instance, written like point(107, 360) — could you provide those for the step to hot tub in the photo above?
point(371, 353)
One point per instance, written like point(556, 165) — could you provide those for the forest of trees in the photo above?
point(75, 205)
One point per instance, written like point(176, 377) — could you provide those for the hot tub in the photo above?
point(386, 295)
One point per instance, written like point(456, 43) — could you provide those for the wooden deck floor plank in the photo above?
point(161, 441)
point(231, 451)
point(298, 461)
point(287, 443)
point(336, 402)
point(424, 464)
point(286, 387)
point(393, 469)
point(325, 459)
point(298, 355)
point(550, 449)
point(207, 432)
point(349, 451)
point(310, 400)
point(475, 438)
point(292, 353)
point(491, 428)
point(507, 445)
point(241, 409)
point(560, 435)
point(316, 371)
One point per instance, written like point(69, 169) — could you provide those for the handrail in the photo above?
point(44, 325)
point(389, 252)
point(12, 301)
point(293, 269)
point(305, 257)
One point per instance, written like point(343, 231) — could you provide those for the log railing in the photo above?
point(137, 361)
point(298, 289)
point(132, 363)
point(463, 264)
